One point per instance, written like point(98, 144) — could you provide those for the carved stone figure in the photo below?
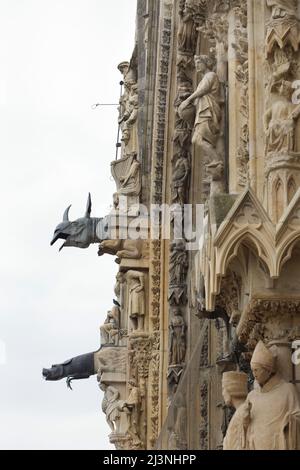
point(130, 249)
point(282, 8)
point(129, 102)
point(272, 411)
point(111, 406)
point(187, 34)
point(177, 345)
point(130, 115)
point(136, 302)
point(111, 328)
point(120, 280)
point(178, 263)
point(207, 100)
point(127, 175)
point(180, 179)
point(132, 407)
point(235, 391)
point(280, 122)
point(215, 170)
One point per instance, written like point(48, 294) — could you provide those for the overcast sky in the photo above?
point(57, 58)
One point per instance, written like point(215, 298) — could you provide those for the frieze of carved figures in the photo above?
point(283, 28)
point(271, 414)
point(136, 301)
point(177, 341)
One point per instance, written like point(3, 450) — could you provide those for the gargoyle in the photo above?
point(82, 232)
point(88, 230)
point(77, 368)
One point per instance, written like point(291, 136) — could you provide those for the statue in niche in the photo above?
point(187, 34)
point(132, 407)
point(235, 391)
point(272, 411)
point(111, 406)
point(282, 8)
point(207, 100)
point(178, 263)
point(111, 328)
point(136, 302)
point(177, 348)
point(280, 121)
point(180, 177)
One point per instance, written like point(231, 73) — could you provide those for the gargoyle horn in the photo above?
point(66, 214)
point(88, 207)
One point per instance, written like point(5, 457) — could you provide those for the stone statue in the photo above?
point(111, 328)
point(136, 302)
point(272, 410)
point(187, 34)
point(177, 338)
point(235, 391)
point(282, 8)
point(178, 263)
point(207, 100)
point(132, 407)
point(280, 122)
point(111, 406)
point(180, 177)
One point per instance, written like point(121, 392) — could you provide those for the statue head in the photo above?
point(123, 67)
point(234, 386)
point(262, 363)
point(203, 63)
point(79, 233)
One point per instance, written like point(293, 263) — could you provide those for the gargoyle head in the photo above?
point(80, 233)
point(55, 373)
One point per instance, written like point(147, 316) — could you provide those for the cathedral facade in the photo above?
point(199, 348)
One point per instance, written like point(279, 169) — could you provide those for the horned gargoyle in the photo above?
point(77, 368)
point(88, 230)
